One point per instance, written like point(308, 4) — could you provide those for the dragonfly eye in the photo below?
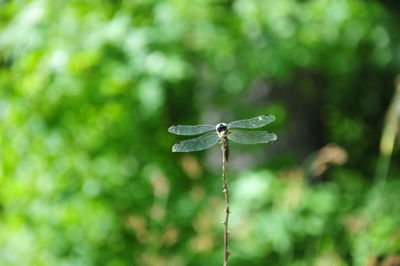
point(221, 127)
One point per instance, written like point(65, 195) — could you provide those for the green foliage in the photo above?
point(89, 88)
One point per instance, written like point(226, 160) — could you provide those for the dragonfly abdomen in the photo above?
point(225, 147)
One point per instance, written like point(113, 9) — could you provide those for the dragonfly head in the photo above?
point(222, 129)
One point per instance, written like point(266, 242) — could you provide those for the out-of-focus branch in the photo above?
point(390, 131)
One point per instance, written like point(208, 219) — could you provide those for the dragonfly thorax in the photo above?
point(222, 129)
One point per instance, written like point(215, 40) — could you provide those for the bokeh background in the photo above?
point(89, 88)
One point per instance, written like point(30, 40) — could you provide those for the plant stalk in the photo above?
point(224, 147)
point(389, 135)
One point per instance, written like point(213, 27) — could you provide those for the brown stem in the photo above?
point(226, 191)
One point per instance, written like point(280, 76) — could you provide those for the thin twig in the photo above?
point(226, 191)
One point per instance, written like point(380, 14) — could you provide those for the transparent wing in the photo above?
point(254, 122)
point(251, 137)
point(190, 130)
point(196, 144)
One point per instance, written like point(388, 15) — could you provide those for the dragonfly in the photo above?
point(223, 132)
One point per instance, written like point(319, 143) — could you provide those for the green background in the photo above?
point(88, 90)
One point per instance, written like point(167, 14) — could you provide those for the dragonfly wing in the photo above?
point(196, 144)
point(251, 137)
point(254, 122)
point(190, 130)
